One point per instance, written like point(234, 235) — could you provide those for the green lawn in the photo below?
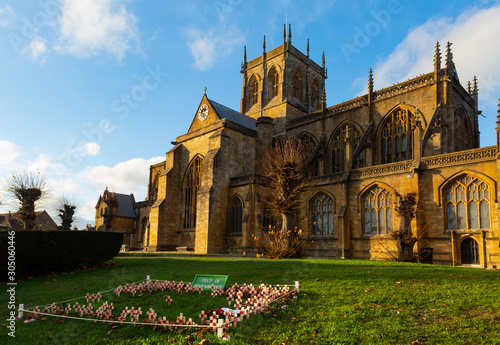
point(340, 302)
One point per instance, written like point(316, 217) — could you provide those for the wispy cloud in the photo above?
point(475, 51)
point(37, 49)
point(207, 47)
point(91, 27)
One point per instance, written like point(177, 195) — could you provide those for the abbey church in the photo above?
point(419, 136)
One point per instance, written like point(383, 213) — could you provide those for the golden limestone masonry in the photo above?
point(419, 136)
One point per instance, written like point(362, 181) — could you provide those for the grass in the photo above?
point(340, 302)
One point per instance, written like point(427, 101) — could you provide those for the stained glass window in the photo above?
point(236, 216)
point(192, 182)
point(396, 136)
point(467, 204)
point(378, 211)
point(322, 209)
point(345, 133)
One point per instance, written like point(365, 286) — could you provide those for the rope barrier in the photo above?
point(221, 323)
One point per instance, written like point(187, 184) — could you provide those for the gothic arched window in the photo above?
point(307, 144)
point(396, 139)
point(297, 84)
point(462, 132)
point(236, 208)
point(273, 81)
point(345, 133)
point(314, 94)
point(253, 91)
point(191, 184)
point(467, 204)
point(378, 210)
point(322, 209)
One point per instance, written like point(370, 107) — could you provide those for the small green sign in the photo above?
point(207, 280)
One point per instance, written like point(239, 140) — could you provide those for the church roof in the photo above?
point(125, 205)
point(233, 115)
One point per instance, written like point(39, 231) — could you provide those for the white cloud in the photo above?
point(10, 152)
point(89, 27)
point(127, 177)
point(207, 47)
point(89, 149)
point(36, 49)
point(474, 35)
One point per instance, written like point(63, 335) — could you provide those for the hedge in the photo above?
point(43, 252)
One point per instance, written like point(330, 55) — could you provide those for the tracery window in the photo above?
point(192, 182)
point(396, 140)
point(378, 210)
point(467, 204)
point(307, 144)
point(462, 132)
point(236, 216)
point(297, 84)
point(314, 94)
point(322, 209)
point(253, 91)
point(273, 80)
point(346, 133)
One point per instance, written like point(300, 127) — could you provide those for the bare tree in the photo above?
point(285, 173)
point(27, 187)
point(66, 210)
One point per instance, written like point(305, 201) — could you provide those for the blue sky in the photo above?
point(92, 92)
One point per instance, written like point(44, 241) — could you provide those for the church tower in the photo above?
point(282, 84)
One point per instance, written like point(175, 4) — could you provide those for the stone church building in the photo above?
point(419, 136)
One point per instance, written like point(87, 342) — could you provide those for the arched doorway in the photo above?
point(470, 251)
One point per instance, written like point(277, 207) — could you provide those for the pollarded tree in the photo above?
point(406, 208)
point(28, 188)
point(66, 210)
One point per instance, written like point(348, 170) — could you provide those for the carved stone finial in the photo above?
point(469, 90)
point(323, 98)
point(475, 89)
point(498, 111)
point(290, 33)
point(437, 58)
point(284, 33)
point(245, 54)
point(323, 61)
point(264, 45)
point(449, 56)
point(370, 81)
point(205, 90)
point(307, 49)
